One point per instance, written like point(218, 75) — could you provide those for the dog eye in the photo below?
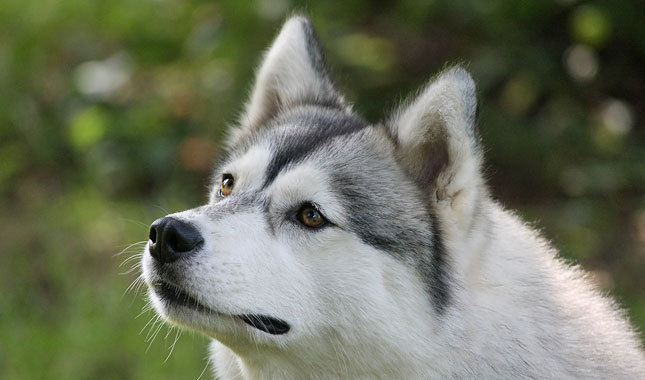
point(310, 216)
point(227, 185)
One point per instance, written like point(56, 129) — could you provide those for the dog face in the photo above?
point(321, 228)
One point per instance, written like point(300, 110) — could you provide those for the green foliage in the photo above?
point(111, 113)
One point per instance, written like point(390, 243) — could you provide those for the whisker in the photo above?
point(152, 339)
point(136, 222)
point(168, 333)
point(131, 258)
point(144, 310)
point(130, 246)
point(172, 347)
point(134, 267)
point(154, 317)
point(208, 362)
point(134, 284)
point(162, 209)
point(156, 325)
point(140, 286)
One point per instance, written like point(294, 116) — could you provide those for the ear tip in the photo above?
point(460, 80)
point(298, 26)
point(299, 20)
point(461, 77)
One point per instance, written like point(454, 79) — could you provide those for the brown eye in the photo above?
point(227, 185)
point(310, 216)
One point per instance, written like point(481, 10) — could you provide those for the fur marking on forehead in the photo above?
point(316, 126)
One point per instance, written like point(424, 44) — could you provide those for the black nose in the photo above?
point(171, 239)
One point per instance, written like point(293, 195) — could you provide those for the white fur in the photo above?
point(515, 310)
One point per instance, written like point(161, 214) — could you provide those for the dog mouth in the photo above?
point(273, 326)
point(172, 294)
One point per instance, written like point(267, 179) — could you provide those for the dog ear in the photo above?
point(437, 144)
point(293, 72)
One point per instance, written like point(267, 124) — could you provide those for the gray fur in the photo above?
point(338, 138)
point(418, 272)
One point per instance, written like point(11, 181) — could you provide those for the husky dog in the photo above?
point(334, 248)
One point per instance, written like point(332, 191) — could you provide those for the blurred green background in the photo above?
point(111, 113)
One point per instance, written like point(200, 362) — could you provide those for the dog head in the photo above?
point(320, 226)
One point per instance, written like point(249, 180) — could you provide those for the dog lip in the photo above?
point(270, 325)
point(174, 294)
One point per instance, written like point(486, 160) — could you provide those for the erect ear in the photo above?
point(293, 72)
point(437, 144)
